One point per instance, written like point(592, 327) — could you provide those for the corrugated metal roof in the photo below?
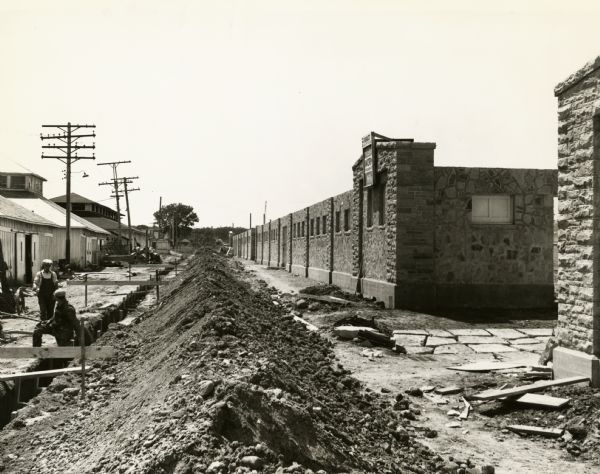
point(56, 214)
point(11, 210)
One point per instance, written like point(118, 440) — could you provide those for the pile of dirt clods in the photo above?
point(216, 379)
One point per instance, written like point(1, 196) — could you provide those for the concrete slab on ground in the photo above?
point(439, 333)
point(491, 348)
point(530, 347)
point(525, 340)
point(440, 341)
point(537, 331)
point(453, 349)
point(506, 333)
point(409, 339)
point(469, 332)
point(419, 350)
point(481, 340)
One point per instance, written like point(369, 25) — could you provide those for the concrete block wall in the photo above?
point(578, 284)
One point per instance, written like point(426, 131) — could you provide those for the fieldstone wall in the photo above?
point(520, 252)
point(298, 251)
point(320, 239)
point(342, 240)
point(579, 206)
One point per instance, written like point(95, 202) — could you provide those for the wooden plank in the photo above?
point(40, 373)
point(487, 366)
point(550, 432)
point(92, 352)
point(115, 283)
point(513, 392)
point(543, 400)
point(448, 390)
point(325, 298)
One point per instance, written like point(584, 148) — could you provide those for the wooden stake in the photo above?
point(82, 342)
point(157, 288)
point(86, 289)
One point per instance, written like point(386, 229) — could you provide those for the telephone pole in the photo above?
point(69, 148)
point(127, 191)
point(115, 183)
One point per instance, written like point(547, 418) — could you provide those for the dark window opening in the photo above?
point(312, 227)
point(302, 228)
point(318, 226)
point(324, 224)
point(337, 221)
point(346, 219)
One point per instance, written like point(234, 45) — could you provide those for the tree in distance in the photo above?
point(179, 215)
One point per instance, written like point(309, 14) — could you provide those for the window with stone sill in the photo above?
point(337, 221)
point(492, 209)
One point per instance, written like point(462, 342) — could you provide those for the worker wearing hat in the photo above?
point(44, 285)
point(64, 325)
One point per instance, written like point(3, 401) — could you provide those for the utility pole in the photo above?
point(127, 191)
point(115, 184)
point(70, 148)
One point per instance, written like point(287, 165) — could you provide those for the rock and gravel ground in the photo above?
point(218, 378)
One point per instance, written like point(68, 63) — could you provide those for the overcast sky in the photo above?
point(224, 105)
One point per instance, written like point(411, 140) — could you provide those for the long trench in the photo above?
point(30, 388)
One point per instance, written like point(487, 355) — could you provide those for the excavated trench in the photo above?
point(29, 388)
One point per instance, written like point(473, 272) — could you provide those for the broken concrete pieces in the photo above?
point(453, 349)
point(419, 350)
point(491, 348)
point(480, 340)
point(350, 332)
point(440, 341)
point(537, 430)
point(409, 339)
point(469, 332)
point(448, 390)
point(506, 333)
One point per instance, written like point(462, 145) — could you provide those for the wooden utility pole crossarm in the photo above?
point(68, 146)
point(115, 183)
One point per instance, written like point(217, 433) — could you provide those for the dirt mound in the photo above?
point(331, 290)
point(216, 379)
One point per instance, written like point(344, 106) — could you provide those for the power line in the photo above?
point(69, 148)
point(115, 184)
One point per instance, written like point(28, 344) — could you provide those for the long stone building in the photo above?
point(415, 235)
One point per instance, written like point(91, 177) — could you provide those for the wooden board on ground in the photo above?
point(326, 299)
point(91, 352)
point(523, 389)
point(487, 366)
point(550, 432)
point(448, 390)
point(543, 400)
point(115, 283)
point(41, 374)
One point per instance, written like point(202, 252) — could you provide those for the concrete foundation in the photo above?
point(380, 290)
point(344, 280)
point(571, 363)
point(319, 274)
point(494, 296)
point(299, 270)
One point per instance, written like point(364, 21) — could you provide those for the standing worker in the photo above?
point(64, 325)
point(45, 284)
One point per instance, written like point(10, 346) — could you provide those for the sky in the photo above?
point(226, 104)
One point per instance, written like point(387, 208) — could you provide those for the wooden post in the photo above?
point(18, 391)
point(82, 343)
point(176, 267)
point(130, 270)
point(85, 279)
point(157, 288)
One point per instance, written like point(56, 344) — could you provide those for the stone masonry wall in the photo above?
point(319, 240)
point(299, 240)
point(342, 239)
point(516, 253)
point(579, 205)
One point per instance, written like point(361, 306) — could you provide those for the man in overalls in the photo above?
point(44, 285)
point(64, 325)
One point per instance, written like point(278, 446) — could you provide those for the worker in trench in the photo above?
point(45, 284)
point(63, 325)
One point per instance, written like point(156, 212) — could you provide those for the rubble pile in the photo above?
point(579, 420)
point(217, 379)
